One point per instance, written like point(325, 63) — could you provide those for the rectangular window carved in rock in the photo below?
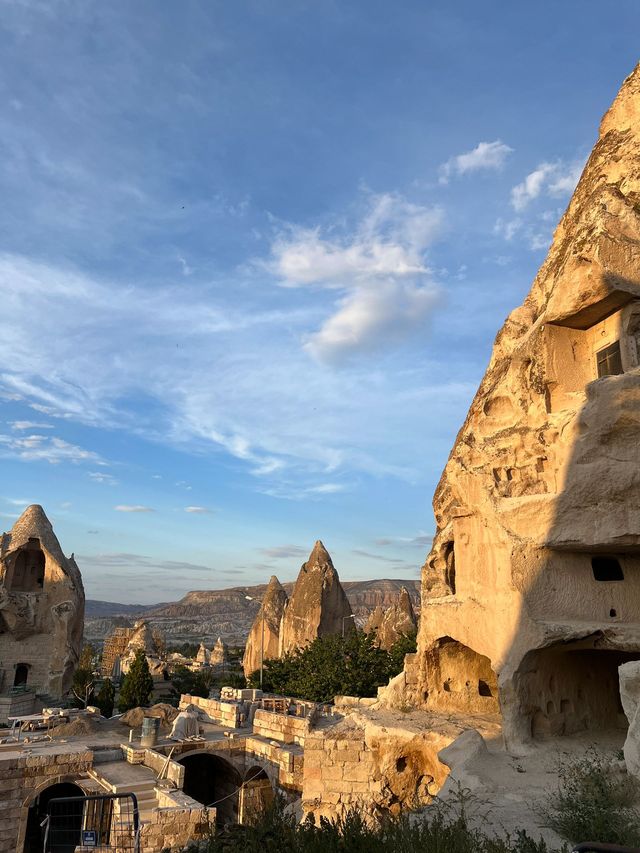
point(609, 361)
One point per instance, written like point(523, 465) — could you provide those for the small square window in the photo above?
point(609, 361)
point(607, 569)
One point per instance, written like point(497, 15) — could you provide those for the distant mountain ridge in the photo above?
point(204, 615)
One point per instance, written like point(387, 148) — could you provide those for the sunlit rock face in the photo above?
point(531, 592)
point(318, 606)
point(263, 641)
point(394, 622)
point(41, 608)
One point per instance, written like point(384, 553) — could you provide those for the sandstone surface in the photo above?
point(41, 608)
point(391, 624)
point(263, 641)
point(318, 606)
point(219, 653)
point(531, 591)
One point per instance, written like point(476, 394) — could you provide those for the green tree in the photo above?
point(405, 645)
point(83, 678)
point(330, 666)
point(137, 685)
point(105, 698)
point(184, 680)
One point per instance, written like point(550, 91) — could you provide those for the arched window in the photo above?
point(28, 569)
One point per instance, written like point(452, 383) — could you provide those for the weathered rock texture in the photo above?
point(141, 638)
point(629, 675)
point(41, 607)
point(264, 635)
point(389, 625)
point(219, 653)
point(318, 605)
point(531, 592)
point(202, 657)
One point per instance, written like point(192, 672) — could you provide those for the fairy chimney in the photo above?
point(265, 631)
point(41, 608)
point(318, 606)
point(530, 592)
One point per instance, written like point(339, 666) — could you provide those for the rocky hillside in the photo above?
point(204, 615)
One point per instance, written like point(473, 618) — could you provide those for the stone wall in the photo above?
point(22, 777)
point(224, 713)
point(282, 727)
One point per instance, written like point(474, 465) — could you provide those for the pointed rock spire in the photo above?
point(41, 606)
point(272, 608)
point(389, 625)
point(318, 605)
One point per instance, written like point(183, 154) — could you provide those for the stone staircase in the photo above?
point(118, 777)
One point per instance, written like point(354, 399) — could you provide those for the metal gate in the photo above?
point(105, 822)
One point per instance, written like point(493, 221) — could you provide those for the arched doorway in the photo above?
point(572, 687)
point(215, 782)
point(22, 674)
point(34, 836)
point(256, 795)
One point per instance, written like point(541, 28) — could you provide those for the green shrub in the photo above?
point(441, 830)
point(595, 801)
point(352, 665)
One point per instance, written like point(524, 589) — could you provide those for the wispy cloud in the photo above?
point(550, 179)
point(283, 552)
point(19, 426)
point(486, 156)
point(133, 508)
point(377, 557)
point(198, 510)
point(137, 562)
point(40, 448)
point(102, 477)
point(380, 268)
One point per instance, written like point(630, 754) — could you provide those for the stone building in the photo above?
point(263, 641)
point(41, 613)
point(531, 592)
point(318, 606)
point(115, 646)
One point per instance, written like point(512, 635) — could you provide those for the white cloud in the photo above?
point(486, 156)
point(102, 477)
point(380, 268)
point(19, 426)
point(133, 508)
point(369, 319)
point(67, 348)
point(40, 448)
point(550, 179)
point(198, 510)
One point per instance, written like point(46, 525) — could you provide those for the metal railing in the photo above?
point(106, 821)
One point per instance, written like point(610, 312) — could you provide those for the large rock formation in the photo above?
point(531, 592)
point(389, 625)
point(318, 606)
point(41, 608)
point(141, 639)
point(219, 653)
point(264, 637)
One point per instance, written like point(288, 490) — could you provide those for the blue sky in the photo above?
point(253, 256)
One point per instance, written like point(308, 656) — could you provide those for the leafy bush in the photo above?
point(352, 665)
point(595, 801)
point(439, 832)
